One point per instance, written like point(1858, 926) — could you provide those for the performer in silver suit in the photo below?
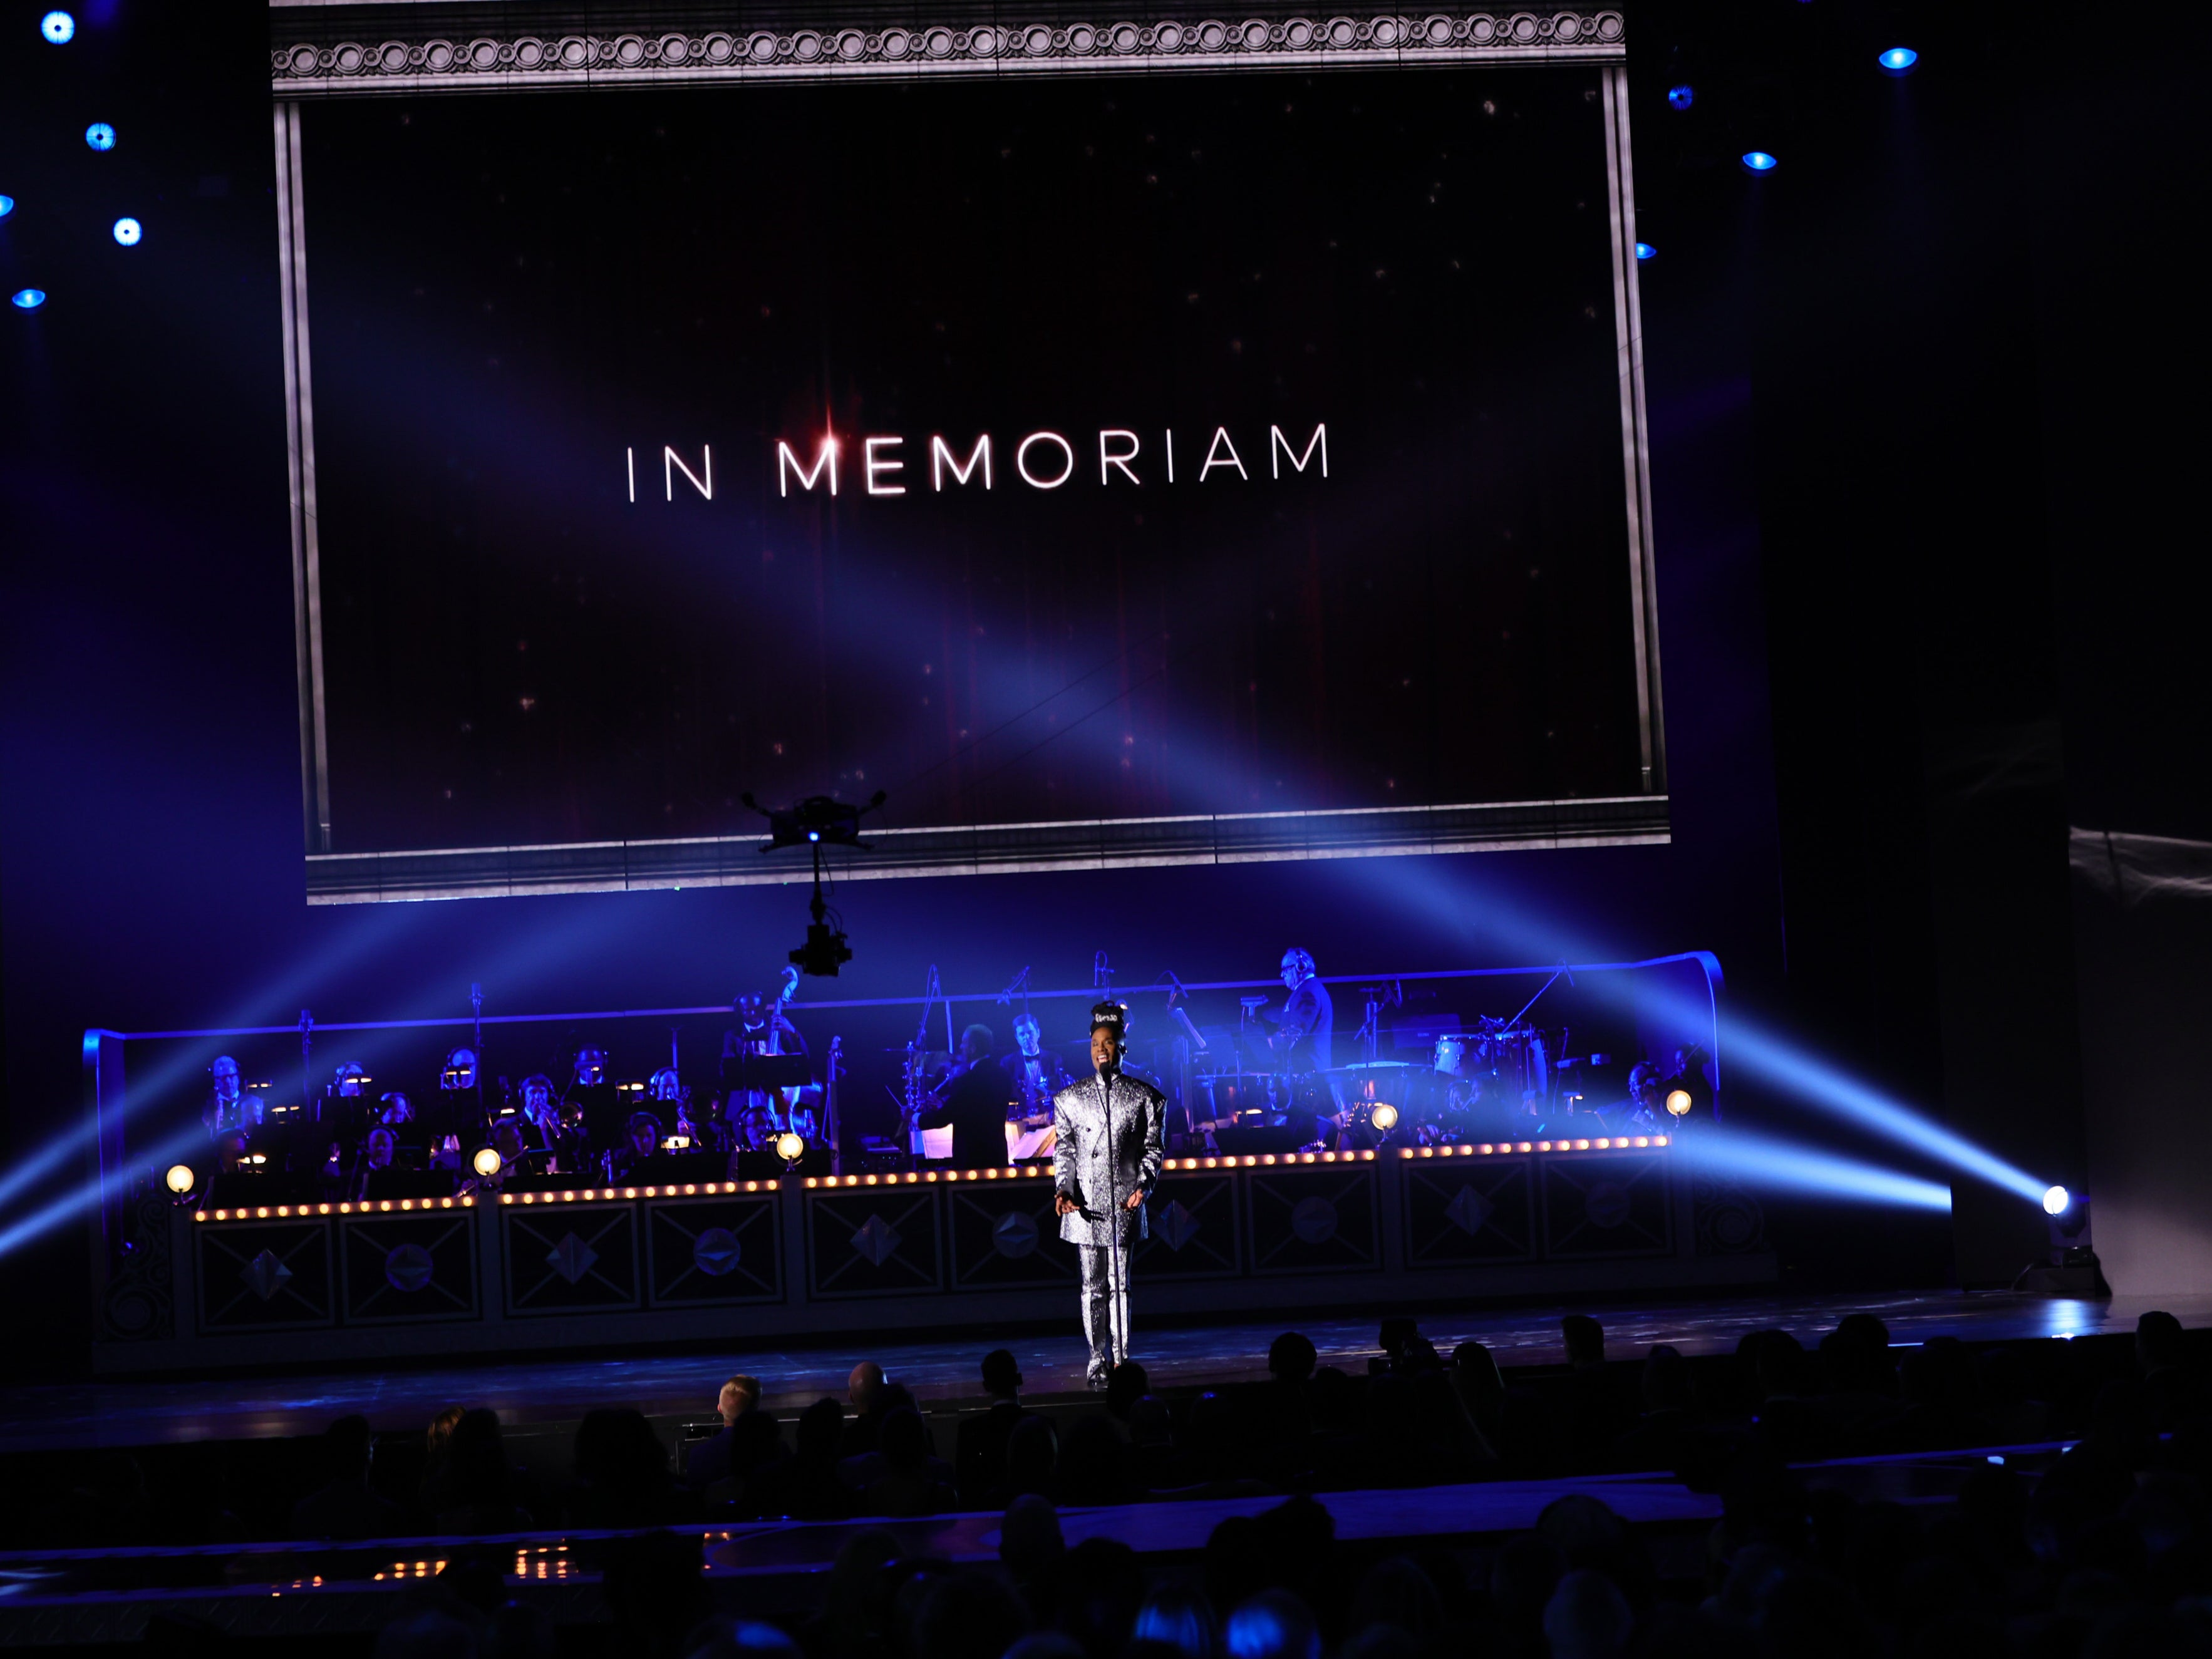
point(1105, 1162)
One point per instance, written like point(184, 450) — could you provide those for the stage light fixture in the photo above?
point(1899, 60)
point(1681, 97)
point(2055, 1200)
point(28, 299)
point(1679, 1101)
point(791, 1146)
point(1758, 160)
point(128, 232)
point(1384, 1116)
point(7, 206)
point(99, 136)
point(59, 27)
point(180, 1179)
point(1645, 251)
point(486, 1163)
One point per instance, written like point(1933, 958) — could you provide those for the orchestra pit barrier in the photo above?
point(741, 1261)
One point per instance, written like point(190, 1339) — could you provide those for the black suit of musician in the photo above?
point(975, 1106)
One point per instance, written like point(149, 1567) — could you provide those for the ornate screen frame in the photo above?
point(414, 47)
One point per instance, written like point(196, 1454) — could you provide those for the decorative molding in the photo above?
point(485, 63)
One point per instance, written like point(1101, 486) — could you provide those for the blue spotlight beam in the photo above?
point(1775, 1059)
point(1774, 1165)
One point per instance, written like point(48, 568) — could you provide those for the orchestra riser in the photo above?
point(823, 1257)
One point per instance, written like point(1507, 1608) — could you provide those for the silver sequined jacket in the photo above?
point(1098, 1169)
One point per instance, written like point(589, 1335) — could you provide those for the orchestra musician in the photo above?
point(642, 1139)
point(763, 1028)
point(589, 1104)
point(545, 1137)
point(1037, 1075)
point(1305, 1036)
point(974, 1105)
point(228, 1107)
point(383, 1146)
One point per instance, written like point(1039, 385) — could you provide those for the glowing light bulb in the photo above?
point(790, 1147)
point(59, 27)
point(1645, 251)
point(486, 1163)
point(1899, 60)
point(1758, 160)
point(1384, 1117)
point(1678, 1101)
point(2055, 1200)
point(99, 136)
point(128, 232)
point(28, 299)
point(180, 1179)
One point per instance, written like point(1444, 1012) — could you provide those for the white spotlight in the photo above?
point(2055, 1200)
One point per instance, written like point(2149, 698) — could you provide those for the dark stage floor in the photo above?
point(559, 1390)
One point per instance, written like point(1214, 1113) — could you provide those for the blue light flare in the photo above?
point(28, 299)
point(1645, 251)
point(1681, 97)
point(2055, 1200)
point(7, 206)
point(99, 136)
point(128, 232)
point(1758, 160)
point(1899, 60)
point(59, 27)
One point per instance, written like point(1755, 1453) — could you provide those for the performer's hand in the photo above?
point(1136, 1201)
point(1062, 1204)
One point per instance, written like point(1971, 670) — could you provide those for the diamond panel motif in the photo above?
point(265, 1275)
point(571, 1258)
point(877, 1240)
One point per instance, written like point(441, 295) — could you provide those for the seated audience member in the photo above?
point(979, 1450)
point(1273, 1625)
point(478, 1492)
point(1101, 1589)
point(1033, 1553)
point(622, 1472)
point(865, 1388)
point(805, 1487)
point(1094, 1464)
point(968, 1614)
point(1177, 1615)
point(1032, 1463)
point(710, 1461)
point(902, 1479)
point(346, 1507)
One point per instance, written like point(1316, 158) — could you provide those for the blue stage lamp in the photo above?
point(7, 206)
point(2055, 1200)
point(99, 136)
point(1681, 97)
point(1645, 251)
point(28, 299)
point(128, 232)
point(1758, 160)
point(59, 27)
point(1899, 60)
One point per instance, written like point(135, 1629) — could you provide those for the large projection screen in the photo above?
point(1118, 442)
